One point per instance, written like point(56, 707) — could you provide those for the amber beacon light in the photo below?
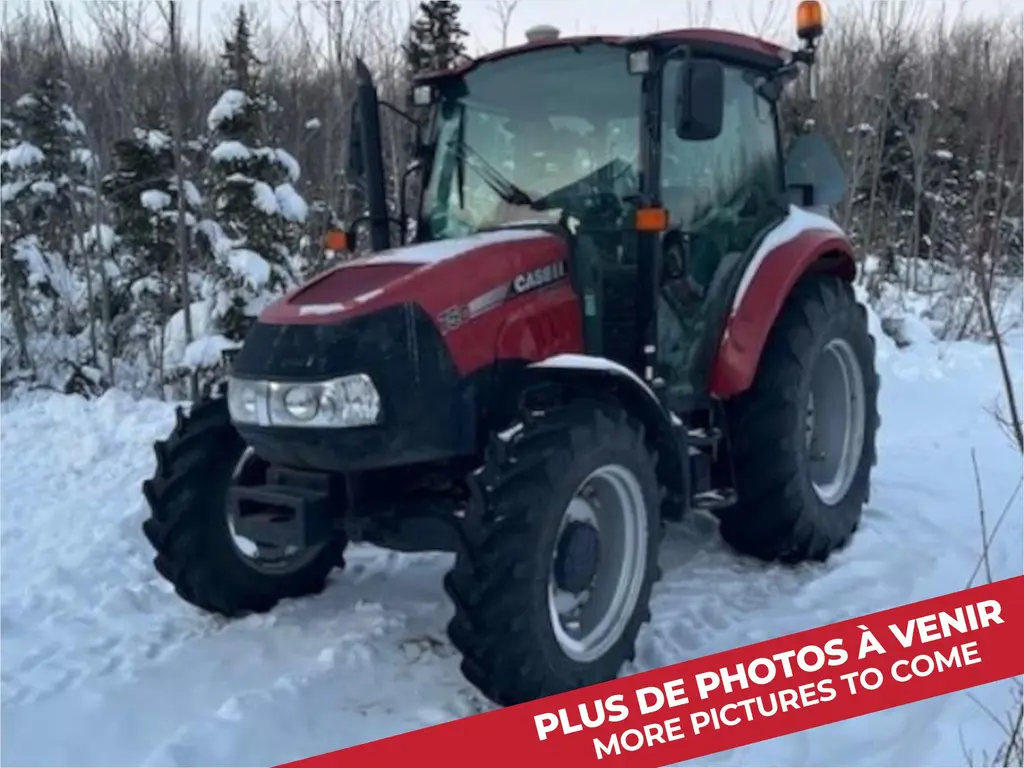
point(809, 23)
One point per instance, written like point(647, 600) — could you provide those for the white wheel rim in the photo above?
point(611, 499)
point(835, 418)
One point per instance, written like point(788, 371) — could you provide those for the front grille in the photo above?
point(404, 354)
point(320, 351)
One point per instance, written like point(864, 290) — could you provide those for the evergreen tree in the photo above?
point(257, 213)
point(241, 67)
point(44, 197)
point(143, 190)
point(12, 275)
point(436, 37)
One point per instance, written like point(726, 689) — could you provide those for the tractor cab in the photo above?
point(548, 137)
point(658, 158)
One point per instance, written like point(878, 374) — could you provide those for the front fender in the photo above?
point(604, 377)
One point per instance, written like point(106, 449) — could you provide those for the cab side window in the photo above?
point(727, 189)
point(723, 193)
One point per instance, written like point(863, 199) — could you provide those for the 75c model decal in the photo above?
point(453, 317)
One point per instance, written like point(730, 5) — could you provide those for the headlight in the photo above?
point(302, 402)
point(348, 401)
point(247, 401)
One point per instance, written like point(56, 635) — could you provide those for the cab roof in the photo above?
point(734, 45)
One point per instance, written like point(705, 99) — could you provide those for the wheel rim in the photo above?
point(835, 421)
point(588, 623)
point(264, 558)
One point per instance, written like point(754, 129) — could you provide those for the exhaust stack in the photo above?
point(370, 146)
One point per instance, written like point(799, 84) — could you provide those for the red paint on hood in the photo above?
point(436, 275)
point(329, 288)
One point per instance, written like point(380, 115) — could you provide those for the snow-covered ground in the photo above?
point(101, 664)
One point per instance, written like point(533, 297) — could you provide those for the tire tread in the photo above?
point(490, 584)
point(773, 519)
point(191, 464)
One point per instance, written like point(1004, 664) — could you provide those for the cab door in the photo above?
point(722, 196)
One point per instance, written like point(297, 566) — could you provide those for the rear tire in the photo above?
point(511, 584)
point(189, 526)
point(785, 512)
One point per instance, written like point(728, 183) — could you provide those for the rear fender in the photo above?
point(766, 284)
point(606, 379)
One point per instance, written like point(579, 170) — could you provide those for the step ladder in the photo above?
point(704, 448)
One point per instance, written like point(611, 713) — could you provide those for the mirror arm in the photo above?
point(417, 126)
point(806, 55)
point(772, 85)
point(787, 73)
point(401, 113)
point(353, 228)
point(402, 186)
point(403, 189)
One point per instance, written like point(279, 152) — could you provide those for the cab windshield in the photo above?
point(524, 138)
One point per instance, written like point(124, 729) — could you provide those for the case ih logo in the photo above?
point(539, 277)
point(452, 318)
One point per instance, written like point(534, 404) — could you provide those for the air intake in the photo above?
point(542, 33)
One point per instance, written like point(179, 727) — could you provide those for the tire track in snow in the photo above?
point(346, 697)
point(256, 662)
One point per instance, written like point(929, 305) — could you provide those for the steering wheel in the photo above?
point(603, 207)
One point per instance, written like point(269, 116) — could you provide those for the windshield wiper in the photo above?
point(495, 179)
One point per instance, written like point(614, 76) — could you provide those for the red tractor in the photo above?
point(619, 307)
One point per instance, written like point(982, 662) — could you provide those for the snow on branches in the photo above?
point(257, 213)
point(44, 199)
point(143, 190)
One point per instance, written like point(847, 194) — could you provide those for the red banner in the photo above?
point(738, 697)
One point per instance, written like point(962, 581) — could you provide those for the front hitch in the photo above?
point(282, 514)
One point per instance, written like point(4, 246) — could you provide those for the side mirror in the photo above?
point(356, 166)
point(700, 100)
point(814, 173)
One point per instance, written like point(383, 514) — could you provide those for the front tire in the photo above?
point(555, 582)
point(190, 527)
point(803, 436)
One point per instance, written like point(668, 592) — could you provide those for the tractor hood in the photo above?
point(436, 275)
